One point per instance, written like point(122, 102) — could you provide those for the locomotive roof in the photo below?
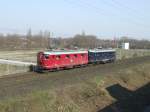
point(102, 50)
point(64, 52)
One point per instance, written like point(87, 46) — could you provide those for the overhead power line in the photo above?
point(133, 10)
point(101, 11)
point(138, 20)
point(128, 9)
point(86, 5)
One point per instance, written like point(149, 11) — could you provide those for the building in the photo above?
point(126, 46)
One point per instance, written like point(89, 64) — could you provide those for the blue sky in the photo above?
point(104, 18)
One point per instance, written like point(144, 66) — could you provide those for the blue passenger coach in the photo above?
point(102, 55)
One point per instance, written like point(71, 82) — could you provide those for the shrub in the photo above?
point(135, 55)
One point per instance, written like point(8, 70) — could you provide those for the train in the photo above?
point(64, 59)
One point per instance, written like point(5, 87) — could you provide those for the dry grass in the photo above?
point(87, 96)
point(124, 54)
point(6, 69)
point(26, 56)
point(30, 55)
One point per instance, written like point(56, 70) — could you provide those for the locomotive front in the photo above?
point(43, 61)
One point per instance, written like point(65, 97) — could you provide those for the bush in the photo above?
point(135, 55)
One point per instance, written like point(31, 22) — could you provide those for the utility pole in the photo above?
point(49, 40)
point(83, 33)
point(28, 39)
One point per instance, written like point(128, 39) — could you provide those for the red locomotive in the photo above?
point(55, 60)
point(61, 59)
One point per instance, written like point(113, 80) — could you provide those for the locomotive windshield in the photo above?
point(46, 56)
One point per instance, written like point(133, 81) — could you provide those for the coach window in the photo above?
point(82, 55)
point(58, 57)
point(75, 55)
point(67, 56)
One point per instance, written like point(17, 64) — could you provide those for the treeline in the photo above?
point(22, 42)
point(43, 40)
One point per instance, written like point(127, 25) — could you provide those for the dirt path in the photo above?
point(21, 84)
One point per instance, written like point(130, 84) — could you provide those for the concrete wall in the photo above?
point(6, 69)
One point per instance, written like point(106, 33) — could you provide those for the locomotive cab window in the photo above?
point(46, 56)
point(67, 56)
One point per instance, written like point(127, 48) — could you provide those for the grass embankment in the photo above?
point(132, 53)
point(6, 69)
point(92, 95)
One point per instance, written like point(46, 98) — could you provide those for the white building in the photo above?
point(126, 46)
